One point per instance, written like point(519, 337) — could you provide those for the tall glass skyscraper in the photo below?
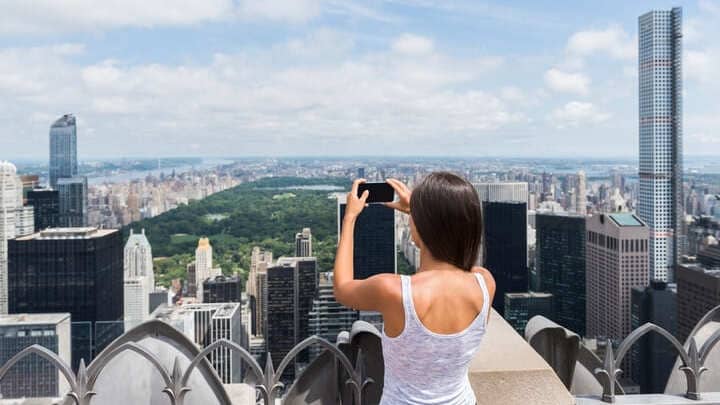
point(63, 149)
point(661, 194)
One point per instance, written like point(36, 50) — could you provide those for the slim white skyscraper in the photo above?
point(204, 265)
point(139, 279)
point(8, 213)
point(660, 201)
point(581, 194)
point(502, 192)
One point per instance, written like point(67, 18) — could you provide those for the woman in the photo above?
point(434, 320)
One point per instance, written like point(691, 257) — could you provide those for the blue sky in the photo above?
point(331, 77)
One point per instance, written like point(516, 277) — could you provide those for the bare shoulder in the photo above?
point(387, 285)
point(489, 279)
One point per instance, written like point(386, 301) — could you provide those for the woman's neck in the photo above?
point(427, 262)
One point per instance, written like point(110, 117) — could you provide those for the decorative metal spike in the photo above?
point(83, 393)
point(693, 370)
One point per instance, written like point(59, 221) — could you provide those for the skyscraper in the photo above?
point(9, 196)
point(660, 200)
point(222, 289)
point(75, 270)
point(139, 279)
point(698, 291)
point(653, 356)
point(560, 265)
point(73, 201)
point(206, 323)
point(616, 254)
point(374, 251)
point(33, 376)
point(328, 317)
point(504, 191)
point(204, 265)
point(260, 260)
point(520, 307)
point(303, 243)
point(63, 149)
point(581, 194)
point(505, 248)
point(291, 289)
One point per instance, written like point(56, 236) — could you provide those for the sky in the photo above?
point(150, 78)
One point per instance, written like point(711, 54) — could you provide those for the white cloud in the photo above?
point(564, 82)
point(20, 17)
point(577, 113)
point(612, 41)
point(702, 65)
point(235, 102)
point(283, 10)
point(412, 44)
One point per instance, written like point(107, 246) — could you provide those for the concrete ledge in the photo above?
point(707, 398)
point(508, 371)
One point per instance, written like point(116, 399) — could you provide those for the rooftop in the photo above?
point(625, 219)
point(33, 319)
point(68, 233)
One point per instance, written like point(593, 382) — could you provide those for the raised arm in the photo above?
point(368, 295)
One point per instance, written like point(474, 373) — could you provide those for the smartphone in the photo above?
point(379, 192)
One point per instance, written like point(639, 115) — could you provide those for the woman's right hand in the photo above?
point(403, 192)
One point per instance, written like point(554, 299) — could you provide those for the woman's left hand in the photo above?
point(355, 204)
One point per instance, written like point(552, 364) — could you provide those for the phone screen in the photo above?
point(379, 192)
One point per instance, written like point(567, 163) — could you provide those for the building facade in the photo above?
point(616, 261)
point(520, 307)
point(204, 266)
point(328, 317)
point(660, 199)
point(63, 149)
point(75, 270)
point(698, 291)
point(653, 357)
point(72, 192)
point(505, 191)
point(374, 238)
point(560, 266)
point(139, 279)
point(9, 196)
point(222, 289)
point(303, 243)
point(33, 376)
point(504, 251)
point(205, 324)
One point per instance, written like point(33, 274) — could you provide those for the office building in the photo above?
point(72, 192)
point(506, 191)
point(9, 198)
point(204, 266)
point(158, 297)
point(328, 317)
point(222, 289)
point(560, 266)
point(139, 279)
point(33, 376)
point(190, 287)
point(291, 288)
point(653, 357)
point(660, 199)
point(616, 261)
point(75, 270)
point(581, 194)
point(63, 149)
point(374, 239)
point(46, 208)
point(260, 260)
point(205, 324)
point(303, 243)
point(709, 255)
point(505, 248)
point(698, 291)
point(520, 307)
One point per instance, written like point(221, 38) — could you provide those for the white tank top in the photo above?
point(423, 367)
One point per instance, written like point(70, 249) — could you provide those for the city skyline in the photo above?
point(348, 76)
